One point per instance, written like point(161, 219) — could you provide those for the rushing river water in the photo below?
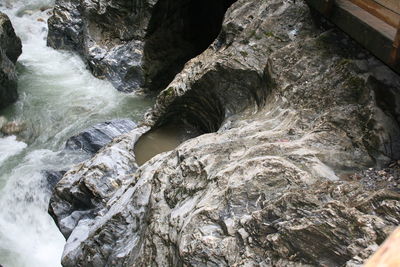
point(58, 98)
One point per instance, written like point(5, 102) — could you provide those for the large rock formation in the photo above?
point(289, 112)
point(136, 44)
point(10, 50)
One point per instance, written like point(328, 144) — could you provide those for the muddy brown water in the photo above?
point(161, 140)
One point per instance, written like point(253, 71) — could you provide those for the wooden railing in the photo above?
point(393, 5)
point(389, 12)
point(380, 19)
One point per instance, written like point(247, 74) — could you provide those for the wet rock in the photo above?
point(89, 29)
point(285, 117)
point(53, 177)
point(94, 138)
point(152, 42)
point(13, 127)
point(84, 189)
point(91, 141)
point(10, 49)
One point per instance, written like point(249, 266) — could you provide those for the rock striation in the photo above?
point(89, 142)
point(94, 138)
point(289, 111)
point(10, 50)
point(98, 178)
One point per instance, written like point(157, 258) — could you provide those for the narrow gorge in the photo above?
point(192, 133)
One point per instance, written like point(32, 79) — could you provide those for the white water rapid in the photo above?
point(58, 97)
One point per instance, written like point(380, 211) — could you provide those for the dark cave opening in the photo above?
point(179, 31)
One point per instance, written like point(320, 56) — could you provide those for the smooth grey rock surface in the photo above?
point(10, 49)
point(289, 111)
point(90, 141)
point(94, 138)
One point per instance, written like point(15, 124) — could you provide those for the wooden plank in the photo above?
point(394, 56)
point(388, 255)
point(380, 11)
point(368, 30)
point(393, 5)
point(367, 18)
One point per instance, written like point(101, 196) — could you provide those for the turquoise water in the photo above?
point(58, 98)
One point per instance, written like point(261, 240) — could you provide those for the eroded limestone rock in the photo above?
point(295, 110)
point(10, 49)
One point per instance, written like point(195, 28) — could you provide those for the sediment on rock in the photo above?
point(10, 50)
point(290, 112)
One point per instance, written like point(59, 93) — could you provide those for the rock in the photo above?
point(284, 117)
point(13, 127)
point(88, 28)
point(10, 49)
point(151, 44)
point(377, 179)
point(3, 121)
point(53, 177)
point(91, 141)
point(84, 189)
point(94, 138)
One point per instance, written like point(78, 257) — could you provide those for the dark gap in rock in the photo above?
point(200, 110)
point(388, 100)
point(179, 31)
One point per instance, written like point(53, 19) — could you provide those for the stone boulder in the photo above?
point(94, 138)
point(90, 141)
point(84, 189)
point(10, 50)
point(13, 128)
